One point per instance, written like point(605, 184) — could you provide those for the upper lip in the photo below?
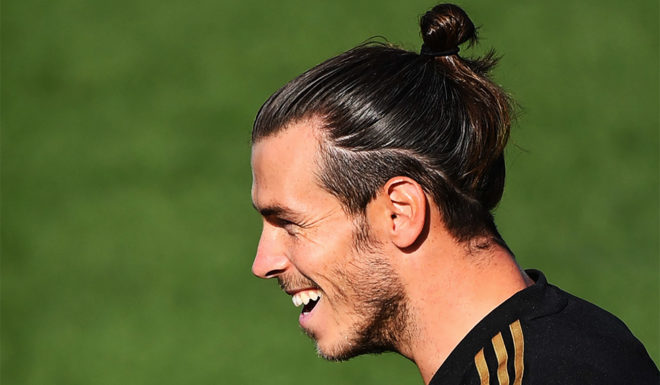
point(294, 291)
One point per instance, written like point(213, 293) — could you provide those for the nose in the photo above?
point(271, 259)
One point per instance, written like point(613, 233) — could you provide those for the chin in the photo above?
point(341, 349)
point(337, 353)
point(349, 348)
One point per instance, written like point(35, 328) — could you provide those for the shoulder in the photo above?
point(583, 344)
point(545, 336)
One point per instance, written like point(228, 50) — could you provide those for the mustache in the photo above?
point(294, 283)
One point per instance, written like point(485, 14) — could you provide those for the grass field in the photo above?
point(127, 227)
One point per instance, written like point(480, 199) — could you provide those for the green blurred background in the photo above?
point(127, 228)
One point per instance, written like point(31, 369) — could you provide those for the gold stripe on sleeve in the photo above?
point(519, 348)
point(502, 357)
point(482, 367)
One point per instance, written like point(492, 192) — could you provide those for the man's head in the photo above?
point(315, 249)
point(422, 132)
point(389, 112)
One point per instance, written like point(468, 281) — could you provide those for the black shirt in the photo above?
point(543, 336)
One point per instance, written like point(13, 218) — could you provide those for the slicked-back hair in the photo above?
point(388, 112)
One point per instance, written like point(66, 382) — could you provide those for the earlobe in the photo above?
point(407, 207)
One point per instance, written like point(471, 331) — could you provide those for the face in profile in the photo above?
point(325, 259)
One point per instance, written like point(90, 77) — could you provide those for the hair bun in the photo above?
point(445, 27)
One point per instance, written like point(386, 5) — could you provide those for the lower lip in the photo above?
point(304, 318)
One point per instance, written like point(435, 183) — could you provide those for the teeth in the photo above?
point(303, 297)
point(296, 301)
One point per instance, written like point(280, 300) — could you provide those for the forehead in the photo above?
point(284, 167)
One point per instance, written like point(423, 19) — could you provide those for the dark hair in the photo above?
point(389, 112)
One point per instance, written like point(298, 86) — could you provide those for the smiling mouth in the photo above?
point(308, 298)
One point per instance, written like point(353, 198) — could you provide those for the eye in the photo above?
point(281, 222)
point(290, 227)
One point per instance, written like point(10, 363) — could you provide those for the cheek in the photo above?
point(329, 263)
point(313, 263)
point(324, 247)
point(341, 285)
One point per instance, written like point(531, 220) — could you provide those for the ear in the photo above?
point(406, 204)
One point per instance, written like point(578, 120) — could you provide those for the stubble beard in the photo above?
point(382, 320)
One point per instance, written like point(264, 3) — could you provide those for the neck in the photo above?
point(450, 289)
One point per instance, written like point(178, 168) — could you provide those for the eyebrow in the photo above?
point(275, 210)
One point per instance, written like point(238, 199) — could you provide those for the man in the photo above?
point(376, 173)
